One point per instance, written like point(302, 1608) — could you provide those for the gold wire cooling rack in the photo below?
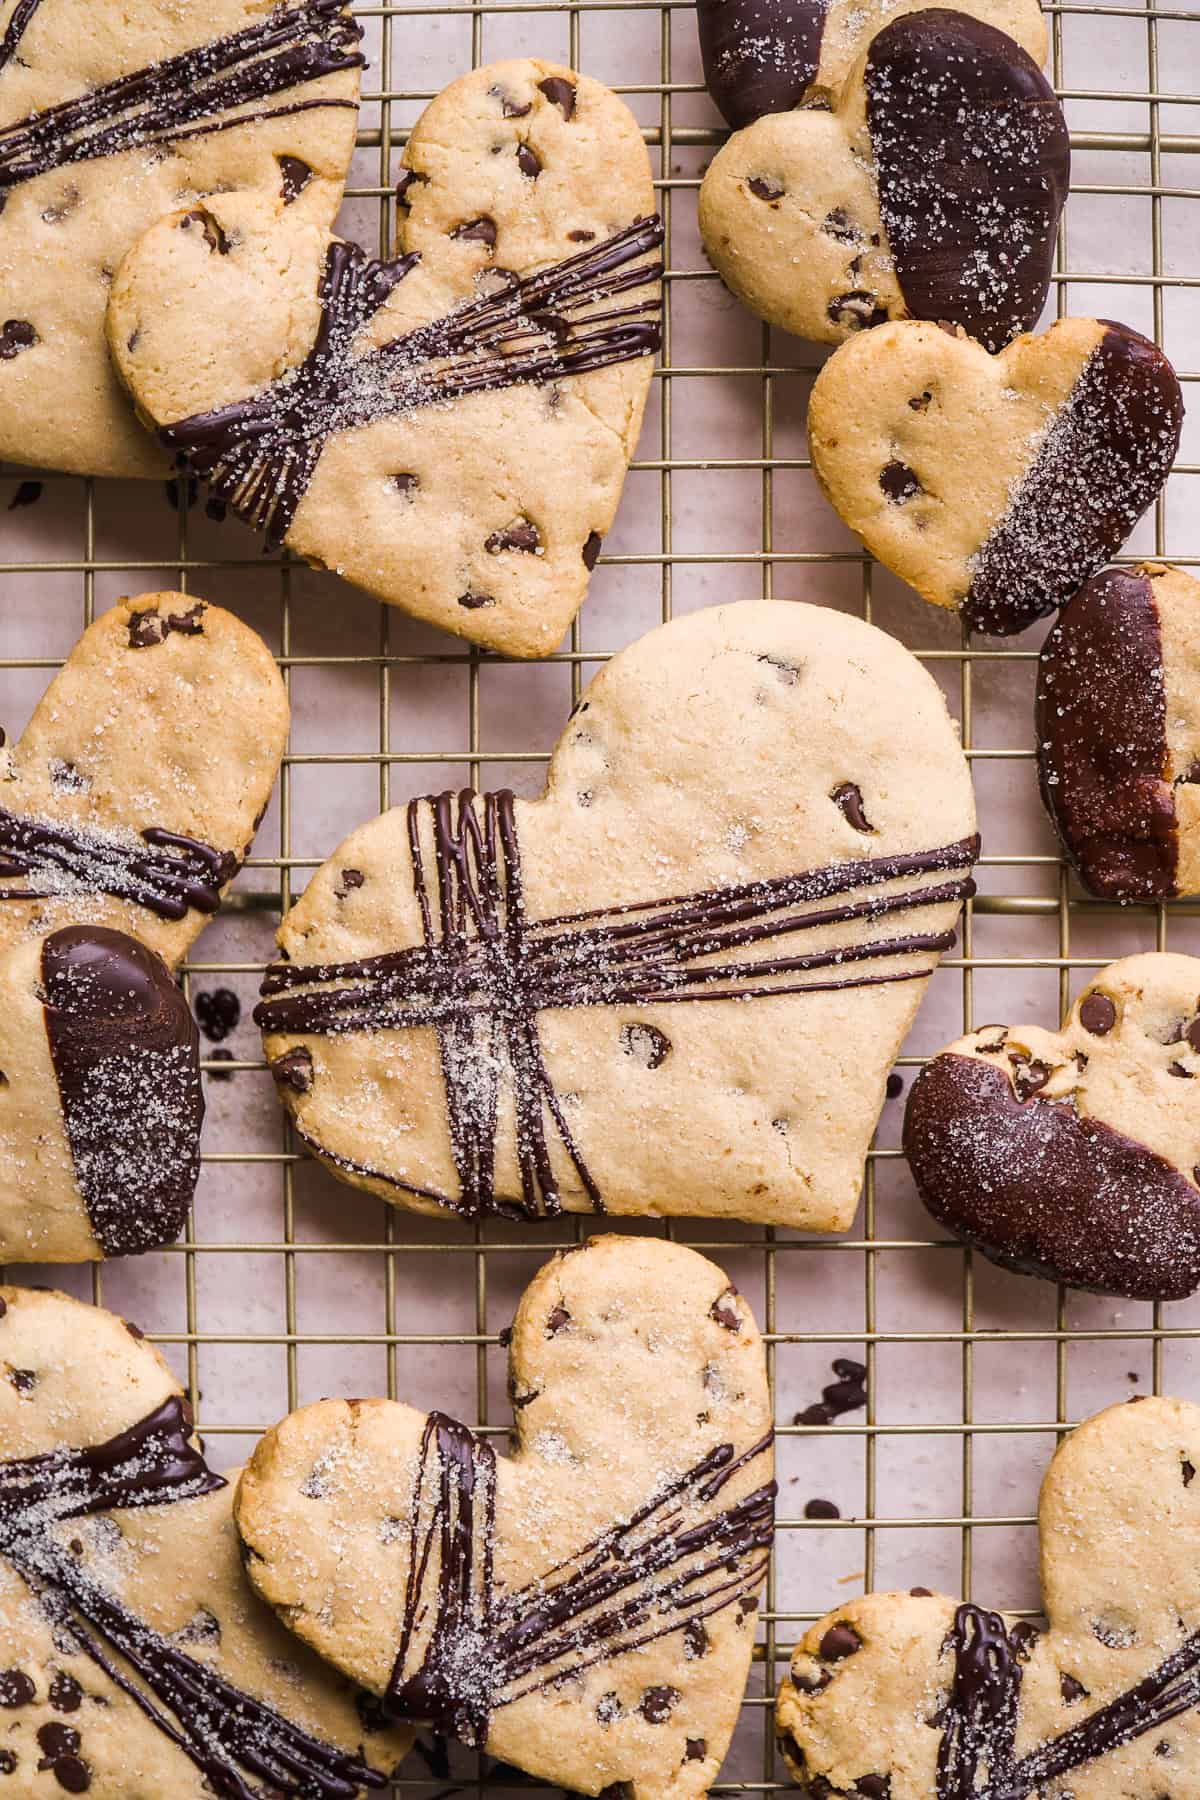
point(287, 1285)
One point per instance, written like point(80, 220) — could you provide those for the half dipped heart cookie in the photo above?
point(449, 430)
point(584, 1609)
point(931, 190)
point(675, 983)
point(117, 111)
point(1073, 1155)
point(1118, 732)
point(995, 485)
point(135, 1661)
point(915, 1696)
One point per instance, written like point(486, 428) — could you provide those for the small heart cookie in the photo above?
point(1118, 732)
point(135, 1661)
point(675, 983)
point(1073, 1155)
point(450, 430)
point(995, 484)
point(932, 190)
point(133, 794)
point(111, 114)
point(767, 56)
point(917, 1697)
point(585, 1608)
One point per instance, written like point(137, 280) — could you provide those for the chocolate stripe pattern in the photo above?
point(190, 95)
point(486, 970)
point(161, 870)
point(235, 1740)
point(259, 455)
point(467, 1650)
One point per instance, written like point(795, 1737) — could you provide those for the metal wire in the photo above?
point(1148, 165)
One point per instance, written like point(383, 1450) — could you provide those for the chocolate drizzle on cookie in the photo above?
point(972, 160)
point(235, 1740)
point(193, 94)
point(468, 1649)
point(259, 454)
point(486, 970)
point(1101, 463)
point(759, 55)
point(161, 870)
point(1102, 739)
point(125, 1052)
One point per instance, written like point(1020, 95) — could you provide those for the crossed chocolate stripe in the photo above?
point(221, 1729)
point(485, 972)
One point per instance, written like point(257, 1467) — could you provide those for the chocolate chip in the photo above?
point(557, 1321)
point(658, 1703)
point(473, 600)
point(67, 777)
point(408, 179)
point(591, 549)
point(3, 1308)
point(296, 176)
point(765, 187)
point(1071, 1690)
point(218, 1011)
point(725, 1313)
point(8, 1762)
point(1193, 1034)
point(71, 1773)
point(811, 1684)
point(840, 1641)
point(405, 483)
point(1030, 1075)
point(856, 311)
point(294, 1069)
point(895, 1085)
point(874, 1787)
point(28, 493)
point(696, 1749)
point(821, 1509)
point(529, 162)
point(522, 535)
point(65, 1694)
point(24, 1380)
point(1023, 1636)
point(58, 1740)
point(1188, 1471)
point(16, 1688)
point(510, 106)
point(1098, 1014)
point(1177, 1068)
point(838, 224)
point(695, 1640)
point(646, 1044)
point(848, 799)
point(505, 1336)
point(16, 335)
point(560, 93)
point(348, 881)
point(580, 237)
point(214, 237)
point(920, 1593)
point(920, 402)
point(899, 483)
point(477, 231)
point(202, 1628)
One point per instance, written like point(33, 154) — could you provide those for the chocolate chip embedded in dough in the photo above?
point(874, 1787)
point(8, 1761)
point(405, 483)
point(558, 1320)
point(348, 880)
point(1030, 1075)
point(848, 799)
point(695, 1750)
point(407, 181)
point(646, 1044)
point(695, 1640)
point(900, 483)
point(294, 1070)
point(510, 106)
point(16, 335)
point(477, 231)
point(560, 93)
point(529, 162)
point(580, 237)
point(16, 1688)
point(214, 236)
point(1188, 1471)
point(65, 1693)
point(1071, 1689)
point(24, 1380)
point(591, 549)
point(812, 1684)
point(658, 1703)
point(295, 176)
point(1098, 1014)
point(838, 224)
point(472, 600)
point(839, 1642)
point(766, 187)
point(920, 402)
point(522, 534)
point(856, 311)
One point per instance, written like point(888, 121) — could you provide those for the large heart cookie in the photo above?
point(995, 484)
point(584, 1608)
point(916, 1697)
point(931, 190)
point(135, 1661)
point(1074, 1155)
point(767, 56)
point(450, 430)
point(113, 112)
point(677, 981)
point(133, 794)
point(1118, 732)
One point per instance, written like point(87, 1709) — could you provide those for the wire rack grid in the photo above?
point(287, 1285)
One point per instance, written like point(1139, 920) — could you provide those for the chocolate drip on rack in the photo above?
point(227, 1734)
point(192, 94)
point(259, 455)
point(486, 970)
point(673, 1563)
point(165, 872)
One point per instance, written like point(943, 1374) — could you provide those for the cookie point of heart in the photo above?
point(637, 992)
point(995, 485)
point(449, 430)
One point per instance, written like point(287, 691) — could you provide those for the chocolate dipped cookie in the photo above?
point(930, 189)
point(674, 983)
point(1118, 732)
point(1072, 1155)
point(451, 429)
point(583, 1609)
point(111, 115)
point(135, 1661)
point(995, 485)
point(919, 1697)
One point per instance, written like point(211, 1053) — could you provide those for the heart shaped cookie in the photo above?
point(584, 1608)
point(135, 789)
point(931, 190)
point(450, 430)
point(1118, 732)
point(677, 981)
point(111, 115)
point(767, 56)
point(995, 484)
point(135, 1661)
point(1073, 1155)
point(917, 1697)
